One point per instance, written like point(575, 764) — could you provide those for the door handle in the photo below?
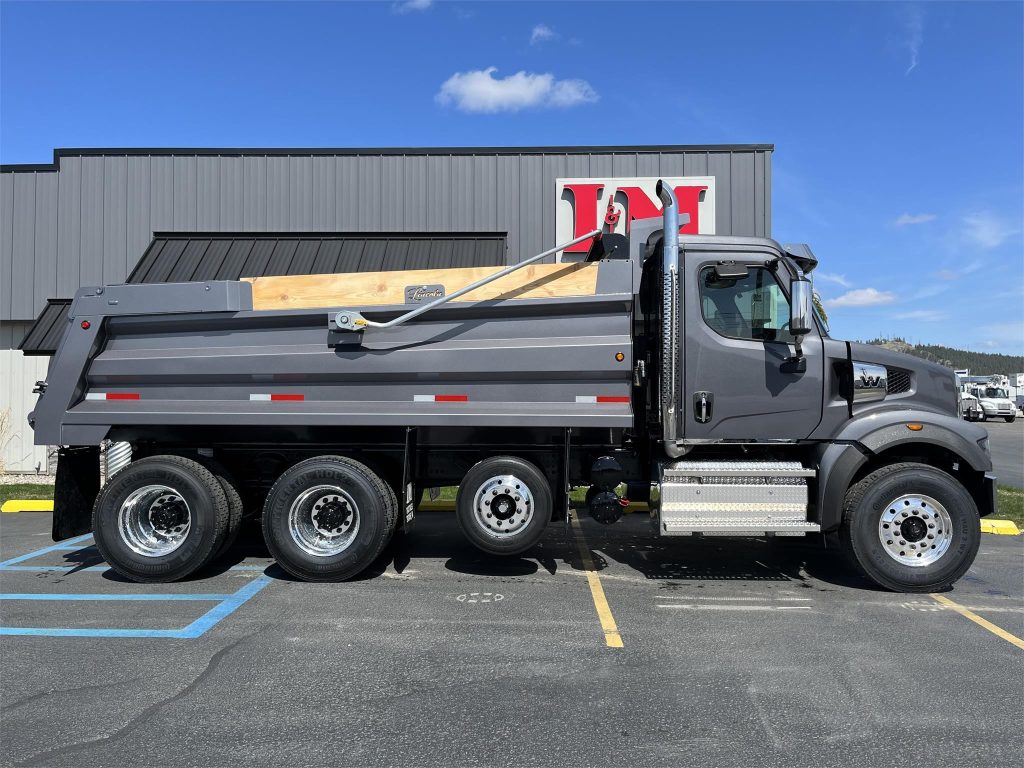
point(703, 406)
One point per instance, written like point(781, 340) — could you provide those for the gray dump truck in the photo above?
point(689, 370)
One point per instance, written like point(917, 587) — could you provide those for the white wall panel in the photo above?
point(18, 374)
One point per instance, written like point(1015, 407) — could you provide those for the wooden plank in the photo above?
point(369, 289)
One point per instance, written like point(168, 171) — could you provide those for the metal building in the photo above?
point(91, 215)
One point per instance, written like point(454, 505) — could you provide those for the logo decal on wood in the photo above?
point(417, 294)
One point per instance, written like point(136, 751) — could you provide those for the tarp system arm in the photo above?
point(350, 320)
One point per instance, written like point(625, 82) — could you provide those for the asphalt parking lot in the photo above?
point(1007, 444)
point(733, 653)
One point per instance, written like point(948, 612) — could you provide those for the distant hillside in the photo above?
point(979, 363)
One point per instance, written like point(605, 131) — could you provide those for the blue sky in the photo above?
point(899, 128)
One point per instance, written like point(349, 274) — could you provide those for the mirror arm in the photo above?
point(797, 363)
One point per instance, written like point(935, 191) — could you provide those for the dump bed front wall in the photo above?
point(86, 219)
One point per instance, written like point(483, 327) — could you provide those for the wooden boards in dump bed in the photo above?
point(368, 289)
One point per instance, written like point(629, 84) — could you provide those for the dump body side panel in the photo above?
point(522, 362)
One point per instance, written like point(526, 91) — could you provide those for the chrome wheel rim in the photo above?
point(915, 530)
point(323, 520)
point(503, 506)
point(154, 520)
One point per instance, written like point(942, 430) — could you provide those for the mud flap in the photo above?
point(410, 498)
point(75, 490)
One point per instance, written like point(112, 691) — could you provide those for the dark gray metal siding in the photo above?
point(182, 258)
point(45, 334)
point(85, 220)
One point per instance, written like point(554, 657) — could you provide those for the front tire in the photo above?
point(160, 519)
point(910, 528)
point(327, 518)
point(1009, 419)
point(504, 505)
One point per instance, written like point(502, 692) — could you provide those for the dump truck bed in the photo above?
point(541, 351)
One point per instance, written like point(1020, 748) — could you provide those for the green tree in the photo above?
point(819, 307)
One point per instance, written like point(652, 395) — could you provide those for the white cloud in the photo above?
point(955, 274)
point(479, 91)
point(863, 297)
point(411, 6)
point(914, 37)
point(986, 230)
point(1004, 335)
point(927, 315)
point(831, 277)
point(541, 34)
point(914, 218)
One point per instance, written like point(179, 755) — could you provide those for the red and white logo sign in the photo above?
point(610, 205)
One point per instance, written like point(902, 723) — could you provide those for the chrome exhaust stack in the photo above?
point(670, 319)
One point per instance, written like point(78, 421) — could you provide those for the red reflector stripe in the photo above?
point(612, 399)
point(122, 395)
point(451, 398)
point(287, 397)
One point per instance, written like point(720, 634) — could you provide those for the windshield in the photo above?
point(995, 392)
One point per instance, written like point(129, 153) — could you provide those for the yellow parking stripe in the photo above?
point(612, 638)
point(27, 505)
point(966, 613)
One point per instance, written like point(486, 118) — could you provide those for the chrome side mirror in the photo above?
point(800, 307)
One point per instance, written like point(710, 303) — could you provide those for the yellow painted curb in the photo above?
point(27, 505)
point(1002, 527)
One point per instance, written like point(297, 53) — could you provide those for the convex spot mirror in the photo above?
point(725, 274)
point(800, 307)
point(730, 270)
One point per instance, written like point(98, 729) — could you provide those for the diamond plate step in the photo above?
point(738, 527)
point(735, 498)
point(712, 469)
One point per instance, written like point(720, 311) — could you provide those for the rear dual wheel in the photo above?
point(161, 518)
point(328, 518)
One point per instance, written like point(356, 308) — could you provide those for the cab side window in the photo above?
point(752, 307)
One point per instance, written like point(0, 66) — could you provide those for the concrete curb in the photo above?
point(27, 505)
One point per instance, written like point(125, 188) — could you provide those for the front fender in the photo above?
point(862, 438)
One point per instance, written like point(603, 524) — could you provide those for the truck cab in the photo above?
point(995, 403)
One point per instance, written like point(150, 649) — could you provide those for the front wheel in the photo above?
point(910, 528)
point(1009, 419)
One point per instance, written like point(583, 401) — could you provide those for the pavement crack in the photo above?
point(46, 758)
point(65, 691)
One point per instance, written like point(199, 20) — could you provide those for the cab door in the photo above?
point(740, 381)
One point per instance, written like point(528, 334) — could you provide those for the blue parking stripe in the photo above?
point(103, 567)
point(226, 608)
point(48, 568)
point(54, 548)
point(117, 598)
point(197, 628)
point(60, 632)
